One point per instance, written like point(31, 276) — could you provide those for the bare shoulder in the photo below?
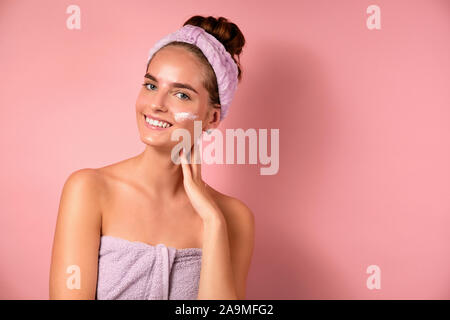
point(82, 189)
point(77, 235)
point(83, 180)
point(241, 230)
point(96, 180)
point(236, 212)
point(86, 175)
point(79, 207)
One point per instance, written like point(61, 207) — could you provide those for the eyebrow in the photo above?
point(174, 84)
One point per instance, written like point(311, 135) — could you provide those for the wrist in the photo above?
point(215, 219)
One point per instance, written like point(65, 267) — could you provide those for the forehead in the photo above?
point(177, 64)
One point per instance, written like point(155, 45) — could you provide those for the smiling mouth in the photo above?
point(157, 123)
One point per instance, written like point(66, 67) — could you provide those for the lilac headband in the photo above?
point(220, 59)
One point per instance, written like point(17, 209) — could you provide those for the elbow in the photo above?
point(229, 296)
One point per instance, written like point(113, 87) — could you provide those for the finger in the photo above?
point(185, 167)
point(191, 154)
point(196, 163)
point(192, 159)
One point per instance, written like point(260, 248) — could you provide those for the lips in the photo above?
point(156, 118)
point(153, 124)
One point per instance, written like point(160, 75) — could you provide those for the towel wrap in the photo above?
point(135, 270)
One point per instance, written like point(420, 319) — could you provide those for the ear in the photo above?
point(213, 119)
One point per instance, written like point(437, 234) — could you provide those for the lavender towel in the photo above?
point(139, 271)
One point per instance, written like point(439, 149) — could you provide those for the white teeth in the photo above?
point(157, 123)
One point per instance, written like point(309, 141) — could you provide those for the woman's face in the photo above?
point(173, 92)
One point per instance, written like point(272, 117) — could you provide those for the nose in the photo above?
point(158, 107)
point(158, 102)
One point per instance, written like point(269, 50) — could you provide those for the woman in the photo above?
point(148, 227)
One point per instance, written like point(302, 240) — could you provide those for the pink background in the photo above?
point(364, 125)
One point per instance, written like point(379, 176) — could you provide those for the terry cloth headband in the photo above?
point(220, 59)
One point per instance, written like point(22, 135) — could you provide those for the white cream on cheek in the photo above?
point(183, 116)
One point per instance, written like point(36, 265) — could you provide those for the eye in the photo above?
point(153, 87)
point(184, 95)
point(148, 84)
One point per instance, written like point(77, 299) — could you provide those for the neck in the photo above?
point(155, 169)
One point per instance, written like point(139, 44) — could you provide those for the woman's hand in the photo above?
point(196, 188)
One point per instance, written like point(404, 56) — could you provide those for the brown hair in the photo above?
point(228, 34)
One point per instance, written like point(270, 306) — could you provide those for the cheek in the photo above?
point(188, 112)
point(185, 116)
point(140, 102)
point(144, 102)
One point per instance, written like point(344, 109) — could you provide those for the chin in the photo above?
point(156, 141)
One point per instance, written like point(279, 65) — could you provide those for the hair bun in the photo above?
point(225, 31)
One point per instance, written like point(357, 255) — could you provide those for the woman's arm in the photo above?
point(241, 230)
point(73, 270)
point(216, 275)
point(228, 236)
point(227, 253)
